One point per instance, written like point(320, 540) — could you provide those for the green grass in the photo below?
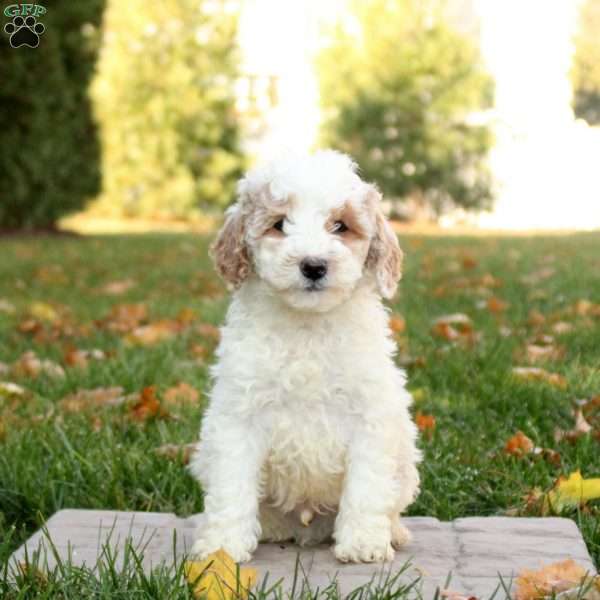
point(52, 459)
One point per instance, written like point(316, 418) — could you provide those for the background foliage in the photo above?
point(49, 158)
point(586, 64)
point(163, 97)
point(397, 87)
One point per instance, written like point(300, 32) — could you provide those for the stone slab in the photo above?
point(474, 551)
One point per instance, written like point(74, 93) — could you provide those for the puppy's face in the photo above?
point(311, 230)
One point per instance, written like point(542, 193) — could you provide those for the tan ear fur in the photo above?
point(385, 255)
point(230, 251)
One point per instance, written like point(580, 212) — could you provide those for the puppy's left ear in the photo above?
point(384, 256)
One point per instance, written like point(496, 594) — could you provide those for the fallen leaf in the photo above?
point(29, 365)
point(209, 331)
point(81, 358)
point(397, 324)
point(538, 276)
point(582, 427)
point(181, 393)
point(540, 353)
point(571, 492)
point(468, 262)
point(6, 307)
point(519, 445)
point(425, 423)
point(216, 578)
point(11, 391)
point(147, 406)
point(125, 317)
point(453, 327)
point(117, 288)
point(549, 580)
point(181, 452)
point(561, 327)
point(44, 312)
point(535, 318)
point(495, 305)
point(92, 399)
point(585, 308)
point(537, 374)
point(153, 333)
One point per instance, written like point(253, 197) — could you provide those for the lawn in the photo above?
point(138, 313)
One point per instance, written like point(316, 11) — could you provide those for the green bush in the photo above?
point(49, 158)
point(586, 65)
point(164, 100)
point(398, 86)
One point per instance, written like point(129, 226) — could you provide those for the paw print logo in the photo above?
point(24, 32)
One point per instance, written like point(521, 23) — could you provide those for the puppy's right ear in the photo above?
point(230, 250)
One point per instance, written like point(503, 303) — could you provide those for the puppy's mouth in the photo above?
point(314, 286)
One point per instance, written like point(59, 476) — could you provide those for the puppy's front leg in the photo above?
point(363, 531)
point(227, 463)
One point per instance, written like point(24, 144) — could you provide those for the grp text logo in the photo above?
point(24, 29)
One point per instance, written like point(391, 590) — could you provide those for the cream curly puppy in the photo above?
point(308, 434)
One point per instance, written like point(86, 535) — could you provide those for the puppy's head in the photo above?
point(311, 229)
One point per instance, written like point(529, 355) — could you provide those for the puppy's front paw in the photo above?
point(364, 546)
point(400, 535)
point(238, 545)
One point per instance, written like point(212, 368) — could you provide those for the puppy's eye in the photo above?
point(339, 227)
point(279, 225)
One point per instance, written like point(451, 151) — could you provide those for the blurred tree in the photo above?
point(164, 100)
point(398, 88)
point(586, 65)
point(50, 154)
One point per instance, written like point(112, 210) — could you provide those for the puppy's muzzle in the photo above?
point(313, 269)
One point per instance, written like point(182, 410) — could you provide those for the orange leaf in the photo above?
point(495, 305)
point(148, 406)
point(519, 445)
point(548, 581)
point(397, 323)
point(425, 423)
point(183, 392)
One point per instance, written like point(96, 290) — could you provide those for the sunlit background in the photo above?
point(468, 113)
point(545, 162)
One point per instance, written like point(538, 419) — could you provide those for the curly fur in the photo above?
point(307, 435)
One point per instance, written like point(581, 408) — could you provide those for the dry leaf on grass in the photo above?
point(147, 406)
point(585, 308)
point(182, 393)
point(93, 399)
point(454, 327)
point(496, 305)
point(582, 427)
point(29, 365)
point(537, 374)
point(44, 312)
point(216, 578)
point(146, 335)
point(519, 445)
point(181, 452)
point(571, 492)
point(6, 307)
point(425, 423)
point(397, 324)
point(11, 391)
point(547, 581)
point(208, 331)
point(117, 288)
point(75, 357)
point(124, 318)
point(538, 352)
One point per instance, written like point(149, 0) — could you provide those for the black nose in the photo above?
point(313, 268)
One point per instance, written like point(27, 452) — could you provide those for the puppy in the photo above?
point(307, 436)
